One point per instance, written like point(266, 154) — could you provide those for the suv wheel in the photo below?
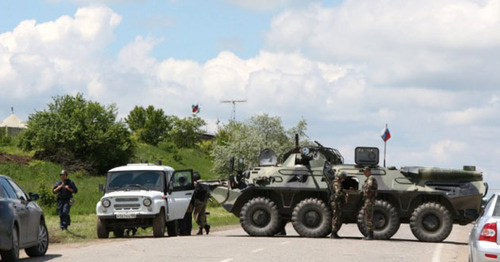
point(102, 231)
point(385, 220)
point(159, 224)
point(431, 222)
point(311, 218)
point(260, 217)
point(173, 228)
point(42, 242)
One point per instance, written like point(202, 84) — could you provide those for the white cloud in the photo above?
point(398, 42)
point(473, 115)
point(41, 58)
point(269, 5)
point(444, 149)
point(136, 58)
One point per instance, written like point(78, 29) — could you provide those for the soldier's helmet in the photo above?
point(342, 175)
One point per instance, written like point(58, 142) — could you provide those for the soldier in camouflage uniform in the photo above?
point(200, 197)
point(369, 193)
point(337, 200)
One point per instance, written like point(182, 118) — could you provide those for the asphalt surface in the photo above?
point(235, 245)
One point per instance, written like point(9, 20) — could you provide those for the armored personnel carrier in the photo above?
point(268, 196)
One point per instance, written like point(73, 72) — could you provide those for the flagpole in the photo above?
point(385, 145)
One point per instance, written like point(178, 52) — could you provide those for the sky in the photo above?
point(428, 69)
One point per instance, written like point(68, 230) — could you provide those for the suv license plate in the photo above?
point(125, 216)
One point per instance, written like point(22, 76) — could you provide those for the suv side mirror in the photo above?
point(33, 196)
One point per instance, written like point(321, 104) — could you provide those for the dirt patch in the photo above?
point(8, 158)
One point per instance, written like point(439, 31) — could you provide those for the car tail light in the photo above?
point(489, 232)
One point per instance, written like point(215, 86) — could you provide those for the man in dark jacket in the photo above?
point(64, 188)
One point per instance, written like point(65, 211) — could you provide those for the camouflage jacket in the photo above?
point(337, 193)
point(370, 188)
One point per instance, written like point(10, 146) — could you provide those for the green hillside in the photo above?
point(183, 159)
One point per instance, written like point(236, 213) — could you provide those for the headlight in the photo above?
point(146, 202)
point(105, 203)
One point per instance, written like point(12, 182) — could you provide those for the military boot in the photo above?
point(207, 229)
point(200, 232)
point(334, 235)
point(369, 236)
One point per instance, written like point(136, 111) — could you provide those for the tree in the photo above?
point(78, 134)
point(150, 125)
point(186, 132)
point(247, 140)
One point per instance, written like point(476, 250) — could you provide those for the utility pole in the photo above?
point(234, 106)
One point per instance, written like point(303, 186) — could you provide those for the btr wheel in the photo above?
point(431, 222)
point(385, 220)
point(102, 231)
point(311, 218)
point(42, 242)
point(260, 217)
point(159, 225)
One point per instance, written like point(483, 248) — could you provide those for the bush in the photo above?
point(78, 134)
point(150, 125)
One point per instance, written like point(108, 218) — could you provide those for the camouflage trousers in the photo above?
point(337, 212)
point(199, 213)
point(368, 213)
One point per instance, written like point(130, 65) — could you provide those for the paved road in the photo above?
point(234, 245)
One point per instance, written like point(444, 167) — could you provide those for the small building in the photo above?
point(12, 125)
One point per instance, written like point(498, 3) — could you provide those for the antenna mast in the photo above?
point(234, 105)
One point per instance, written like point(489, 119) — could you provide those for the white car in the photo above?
point(143, 195)
point(484, 241)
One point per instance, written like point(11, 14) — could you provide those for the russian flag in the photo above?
point(386, 134)
point(195, 109)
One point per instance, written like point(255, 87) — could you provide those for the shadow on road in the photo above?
point(47, 257)
point(360, 238)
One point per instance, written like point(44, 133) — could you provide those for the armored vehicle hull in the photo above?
point(267, 197)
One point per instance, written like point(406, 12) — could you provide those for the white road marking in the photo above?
point(436, 257)
point(227, 260)
point(257, 250)
point(285, 242)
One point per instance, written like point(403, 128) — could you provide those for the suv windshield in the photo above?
point(134, 180)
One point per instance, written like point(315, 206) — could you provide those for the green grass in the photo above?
point(14, 150)
point(40, 177)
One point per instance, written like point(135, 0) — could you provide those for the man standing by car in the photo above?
point(338, 197)
point(369, 193)
point(64, 188)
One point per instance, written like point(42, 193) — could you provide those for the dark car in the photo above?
point(22, 224)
